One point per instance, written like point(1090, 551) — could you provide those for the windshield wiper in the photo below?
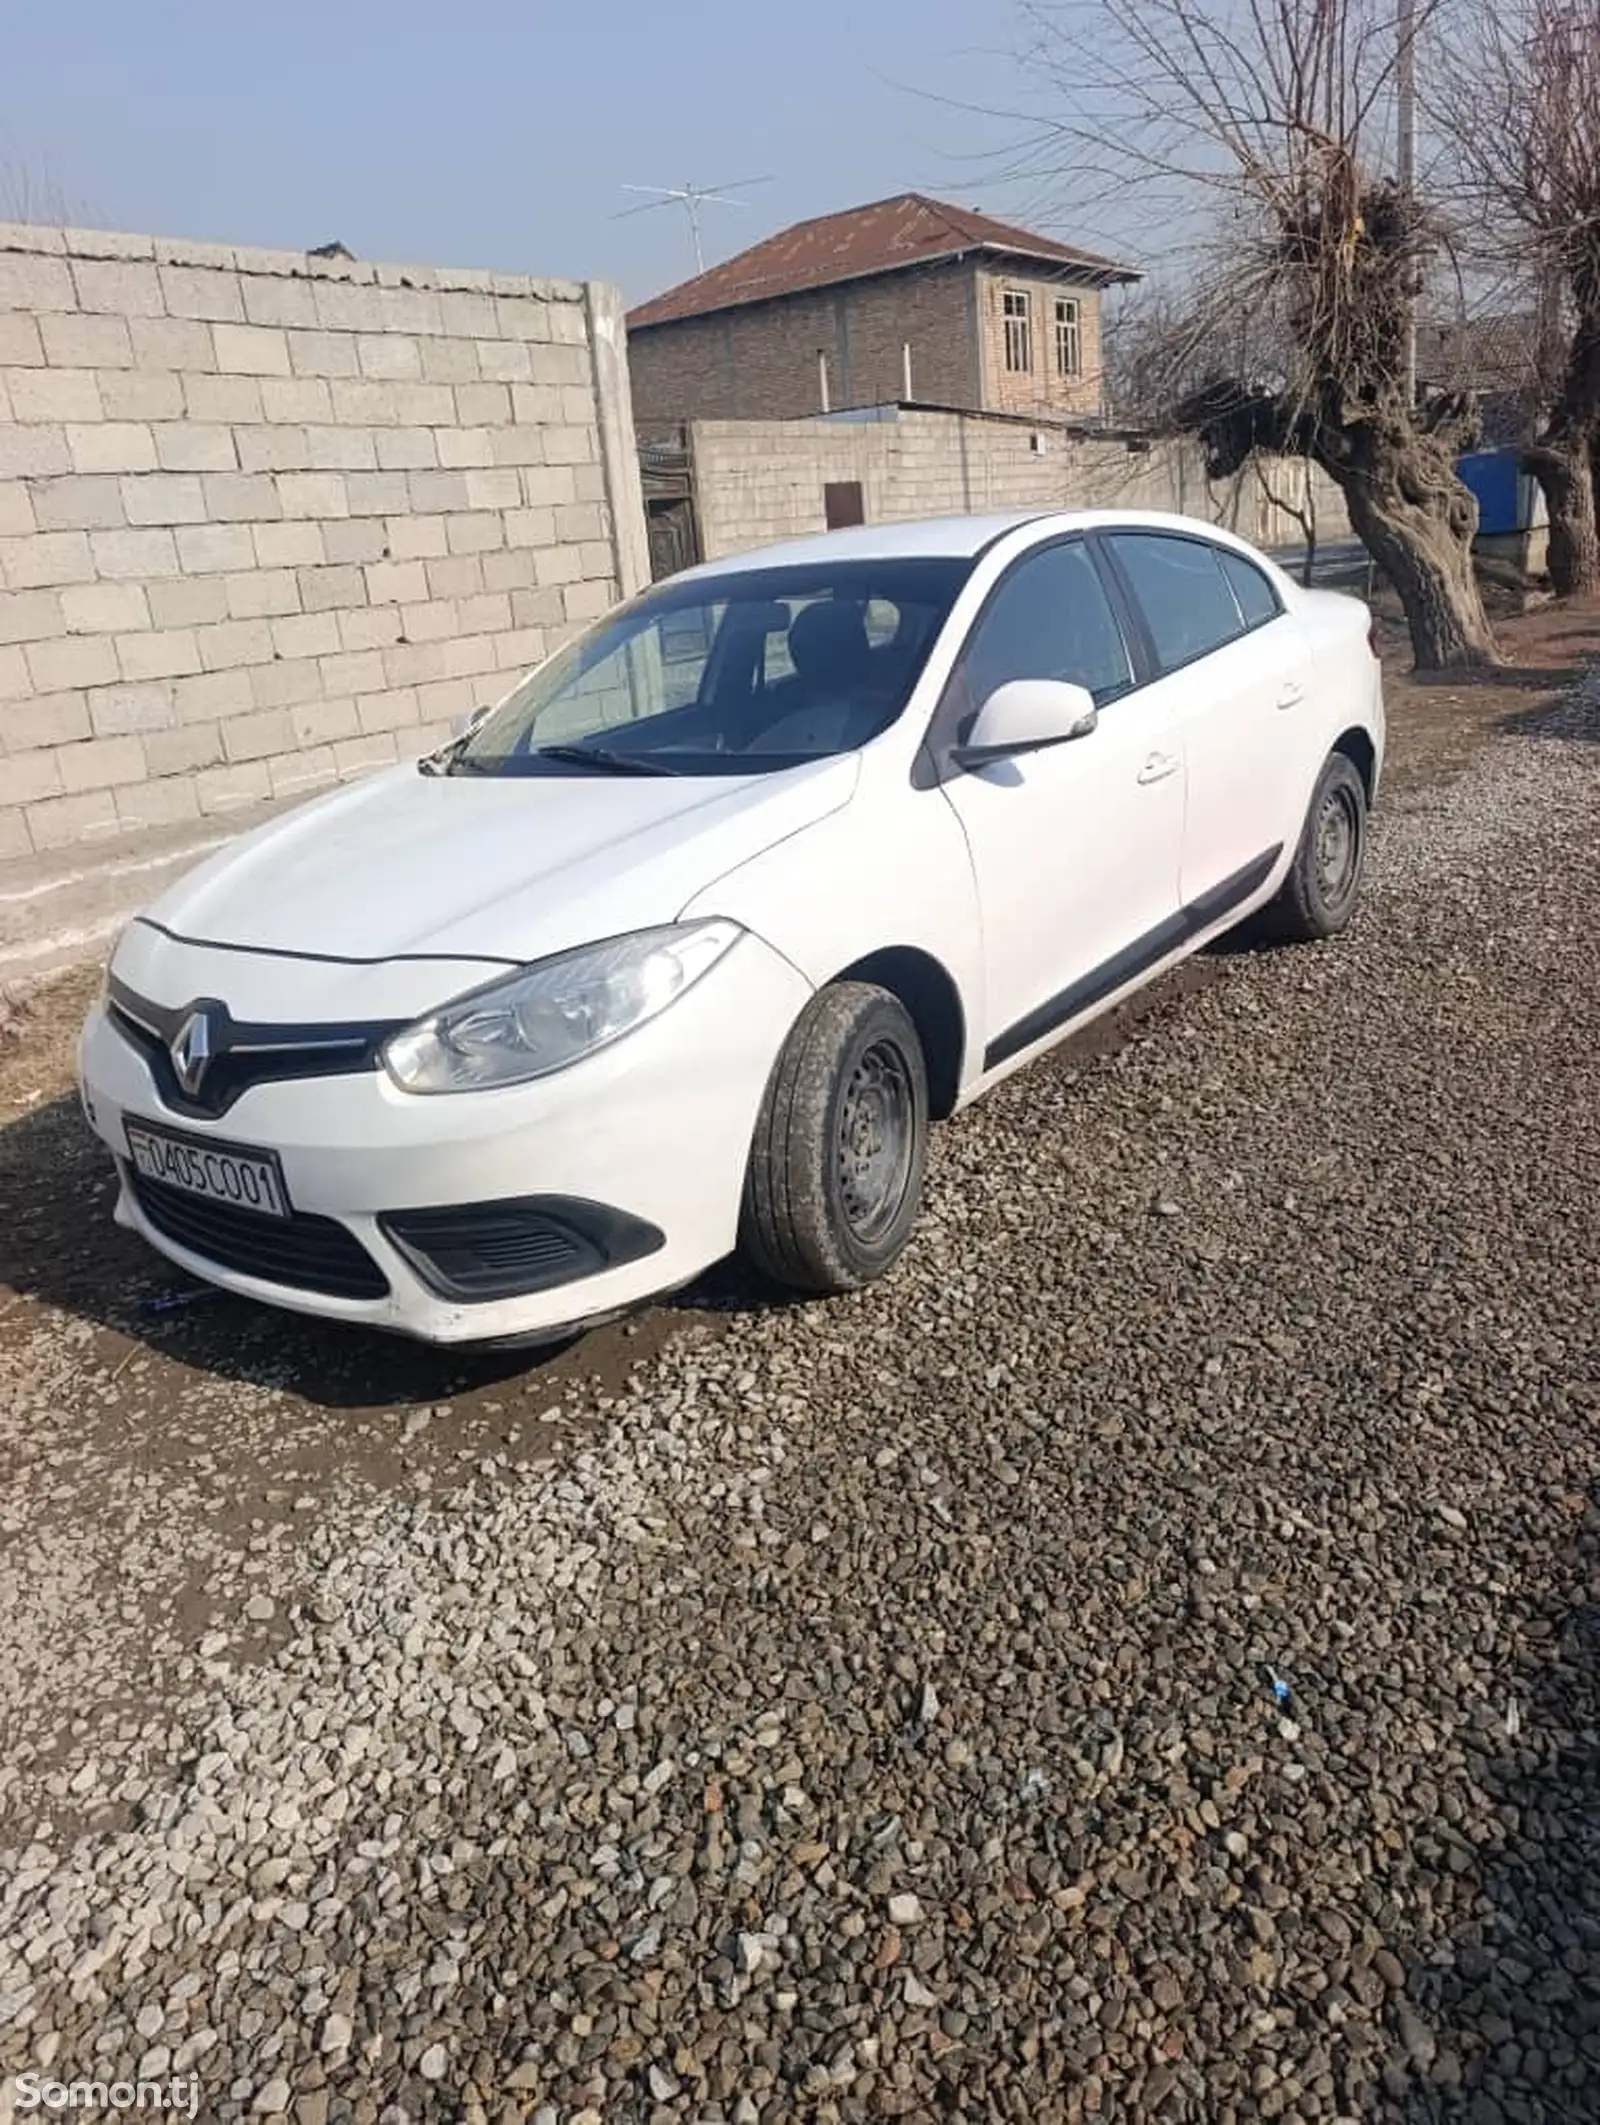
point(608, 762)
point(441, 762)
point(451, 759)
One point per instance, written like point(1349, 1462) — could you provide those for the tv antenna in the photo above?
point(691, 197)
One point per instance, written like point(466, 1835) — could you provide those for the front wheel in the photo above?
point(1319, 895)
point(836, 1164)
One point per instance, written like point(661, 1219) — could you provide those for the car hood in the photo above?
point(512, 868)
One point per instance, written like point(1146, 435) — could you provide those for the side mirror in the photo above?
point(466, 726)
point(1025, 716)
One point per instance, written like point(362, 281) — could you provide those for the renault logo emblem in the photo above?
point(191, 1050)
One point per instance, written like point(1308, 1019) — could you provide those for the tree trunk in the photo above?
point(1561, 459)
point(1566, 479)
point(1416, 518)
point(1396, 467)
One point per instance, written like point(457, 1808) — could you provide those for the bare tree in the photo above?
point(1149, 354)
point(1170, 338)
point(1302, 507)
point(1519, 102)
point(1262, 125)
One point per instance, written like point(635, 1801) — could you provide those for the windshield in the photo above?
point(727, 675)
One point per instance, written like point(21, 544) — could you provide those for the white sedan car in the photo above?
point(683, 946)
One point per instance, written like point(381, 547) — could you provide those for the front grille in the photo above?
point(525, 1244)
point(242, 1054)
point(302, 1253)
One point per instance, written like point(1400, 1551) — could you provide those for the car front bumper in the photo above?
point(625, 1170)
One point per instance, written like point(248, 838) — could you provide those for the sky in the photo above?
point(501, 133)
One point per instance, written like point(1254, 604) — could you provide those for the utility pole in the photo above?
point(1406, 97)
point(1556, 59)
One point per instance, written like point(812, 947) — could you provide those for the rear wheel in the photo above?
point(1319, 895)
point(836, 1165)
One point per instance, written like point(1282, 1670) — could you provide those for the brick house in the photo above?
point(905, 300)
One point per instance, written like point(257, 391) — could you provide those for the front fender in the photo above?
point(875, 876)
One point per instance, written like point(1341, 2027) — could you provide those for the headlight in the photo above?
point(103, 993)
point(556, 1012)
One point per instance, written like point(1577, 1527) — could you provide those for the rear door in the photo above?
point(1234, 666)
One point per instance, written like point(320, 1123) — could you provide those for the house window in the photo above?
point(1069, 346)
point(1017, 306)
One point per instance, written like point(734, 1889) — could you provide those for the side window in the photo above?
point(1258, 601)
point(1182, 593)
point(1050, 619)
point(883, 622)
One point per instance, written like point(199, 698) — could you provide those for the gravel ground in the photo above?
point(1138, 1662)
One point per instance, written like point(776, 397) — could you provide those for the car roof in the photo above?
point(947, 537)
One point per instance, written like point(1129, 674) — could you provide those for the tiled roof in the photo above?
point(886, 237)
point(1494, 353)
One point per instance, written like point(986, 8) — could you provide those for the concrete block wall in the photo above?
point(268, 521)
point(760, 481)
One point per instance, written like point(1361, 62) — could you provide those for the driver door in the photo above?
point(1076, 848)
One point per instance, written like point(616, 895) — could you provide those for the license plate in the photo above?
point(221, 1173)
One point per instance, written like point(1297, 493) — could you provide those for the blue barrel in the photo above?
point(1494, 477)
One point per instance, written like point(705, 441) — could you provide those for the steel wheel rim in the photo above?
point(875, 1139)
point(1336, 846)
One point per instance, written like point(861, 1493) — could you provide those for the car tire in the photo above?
point(834, 1181)
point(1319, 896)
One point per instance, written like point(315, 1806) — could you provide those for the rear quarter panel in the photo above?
point(1346, 678)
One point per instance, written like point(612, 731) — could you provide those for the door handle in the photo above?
point(1290, 695)
point(1158, 767)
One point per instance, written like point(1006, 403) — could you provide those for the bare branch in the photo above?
point(1287, 330)
point(1519, 104)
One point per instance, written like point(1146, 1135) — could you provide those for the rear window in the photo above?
point(1258, 601)
point(1182, 593)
